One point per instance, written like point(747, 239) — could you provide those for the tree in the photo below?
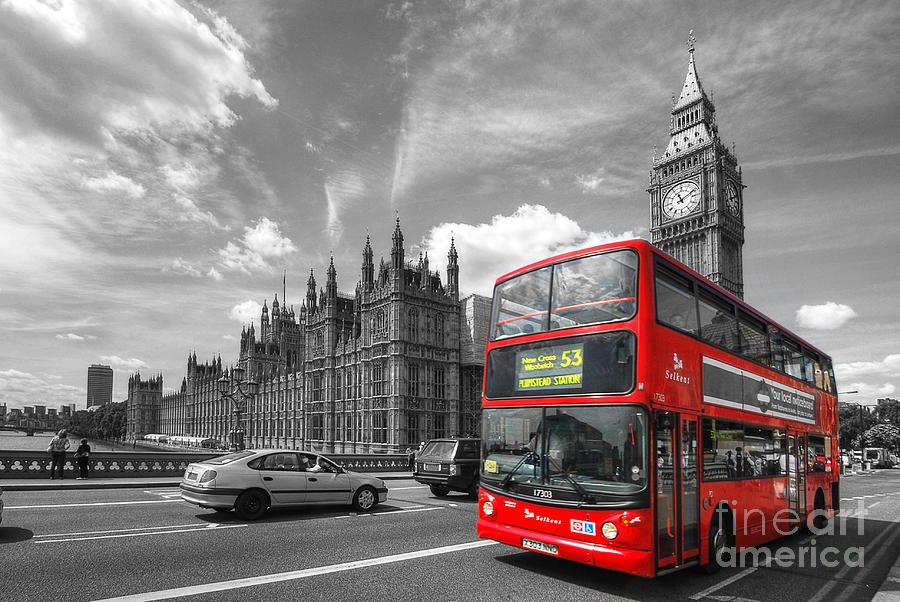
point(854, 421)
point(883, 435)
point(106, 422)
point(888, 410)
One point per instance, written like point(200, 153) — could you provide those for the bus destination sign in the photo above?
point(550, 368)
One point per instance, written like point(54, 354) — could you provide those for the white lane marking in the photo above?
point(837, 578)
point(167, 532)
point(402, 488)
point(718, 586)
point(293, 575)
point(90, 504)
point(388, 512)
point(125, 530)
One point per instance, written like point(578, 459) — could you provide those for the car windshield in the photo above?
point(588, 449)
point(438, 449)
point(229, 458)
point(589, 290)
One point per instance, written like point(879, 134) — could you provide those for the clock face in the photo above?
point(732, 203)
point(682, 199)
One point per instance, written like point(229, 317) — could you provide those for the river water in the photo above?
point(10, 440)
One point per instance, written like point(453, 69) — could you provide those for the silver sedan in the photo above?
point(252, 481)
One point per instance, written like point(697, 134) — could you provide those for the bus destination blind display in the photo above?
point(550, 368)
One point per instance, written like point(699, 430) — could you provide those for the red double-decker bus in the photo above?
point(638, 417)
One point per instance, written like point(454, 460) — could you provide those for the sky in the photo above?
point(167, 166)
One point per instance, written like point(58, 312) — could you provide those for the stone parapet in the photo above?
point(36, 464)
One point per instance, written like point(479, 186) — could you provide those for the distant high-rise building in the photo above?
point(99, 385)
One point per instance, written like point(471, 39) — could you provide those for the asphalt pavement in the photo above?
point(889, 591)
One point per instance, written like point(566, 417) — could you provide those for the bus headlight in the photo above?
point(487, 508)
point(609, 531)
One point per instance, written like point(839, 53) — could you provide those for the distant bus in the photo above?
point(639, 418)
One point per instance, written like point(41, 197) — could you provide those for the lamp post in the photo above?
point(237, 390)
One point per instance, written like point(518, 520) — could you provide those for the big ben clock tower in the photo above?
point(696, 193)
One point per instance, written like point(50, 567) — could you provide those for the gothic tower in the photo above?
point(696, 192)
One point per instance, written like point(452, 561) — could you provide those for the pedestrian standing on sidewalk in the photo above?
point(58, 446)
point(83, 455)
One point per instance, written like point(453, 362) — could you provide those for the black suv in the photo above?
point(449, 465)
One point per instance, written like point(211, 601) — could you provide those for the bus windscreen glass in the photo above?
point(588, 290)
point(584, 449)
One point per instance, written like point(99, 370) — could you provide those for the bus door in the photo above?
point(796, 467)
point(677, 489)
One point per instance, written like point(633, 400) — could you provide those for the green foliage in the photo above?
point(883, 435)
point(106, 422)
point(854, 421)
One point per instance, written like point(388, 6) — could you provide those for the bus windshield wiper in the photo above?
point(585, 496)
point(518, 464)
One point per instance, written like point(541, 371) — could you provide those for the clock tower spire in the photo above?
point(696, 193)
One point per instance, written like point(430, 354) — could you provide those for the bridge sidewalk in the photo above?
point(124, 482)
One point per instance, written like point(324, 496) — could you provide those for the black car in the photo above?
point(449, 465)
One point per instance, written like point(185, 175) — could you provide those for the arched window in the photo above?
point(412, 325)
point(439, 330)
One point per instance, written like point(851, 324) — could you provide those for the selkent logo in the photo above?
point(582, 526)
point(677, 364)
point(541, 519)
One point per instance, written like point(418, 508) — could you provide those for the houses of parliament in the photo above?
point(397, 363)
point(401, 361)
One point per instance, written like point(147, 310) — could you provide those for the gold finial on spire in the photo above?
point(691, 41)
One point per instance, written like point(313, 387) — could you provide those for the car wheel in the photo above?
point(473, 490)
point(440, 490)
point(251, 504)
point(364, 499)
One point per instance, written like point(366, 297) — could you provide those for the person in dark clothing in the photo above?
point(83, 455)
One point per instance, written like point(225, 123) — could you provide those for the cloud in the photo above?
point(187, 71)
point(122, 365)
point(341, 189)
point(189, 212)
point(829, 316)
point(259, 244)
point(19, 389)
point(113, 183)
point(71, 336)
point(246, 312)
point(180, 266)
point(489, 250)
point(889, 366)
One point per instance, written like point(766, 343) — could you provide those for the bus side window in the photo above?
point(675, 303)
point(717, 322)
point(793, 364)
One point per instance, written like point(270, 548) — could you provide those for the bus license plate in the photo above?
point(433, 467)
point(540, 546)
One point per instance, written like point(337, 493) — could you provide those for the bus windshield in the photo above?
point(588, 290)
point(587, 449)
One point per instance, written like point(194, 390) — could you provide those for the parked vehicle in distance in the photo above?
point(252, 481)
point(448, 465)
point(878, 456)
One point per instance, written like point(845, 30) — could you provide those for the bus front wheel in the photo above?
point(718, 544)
